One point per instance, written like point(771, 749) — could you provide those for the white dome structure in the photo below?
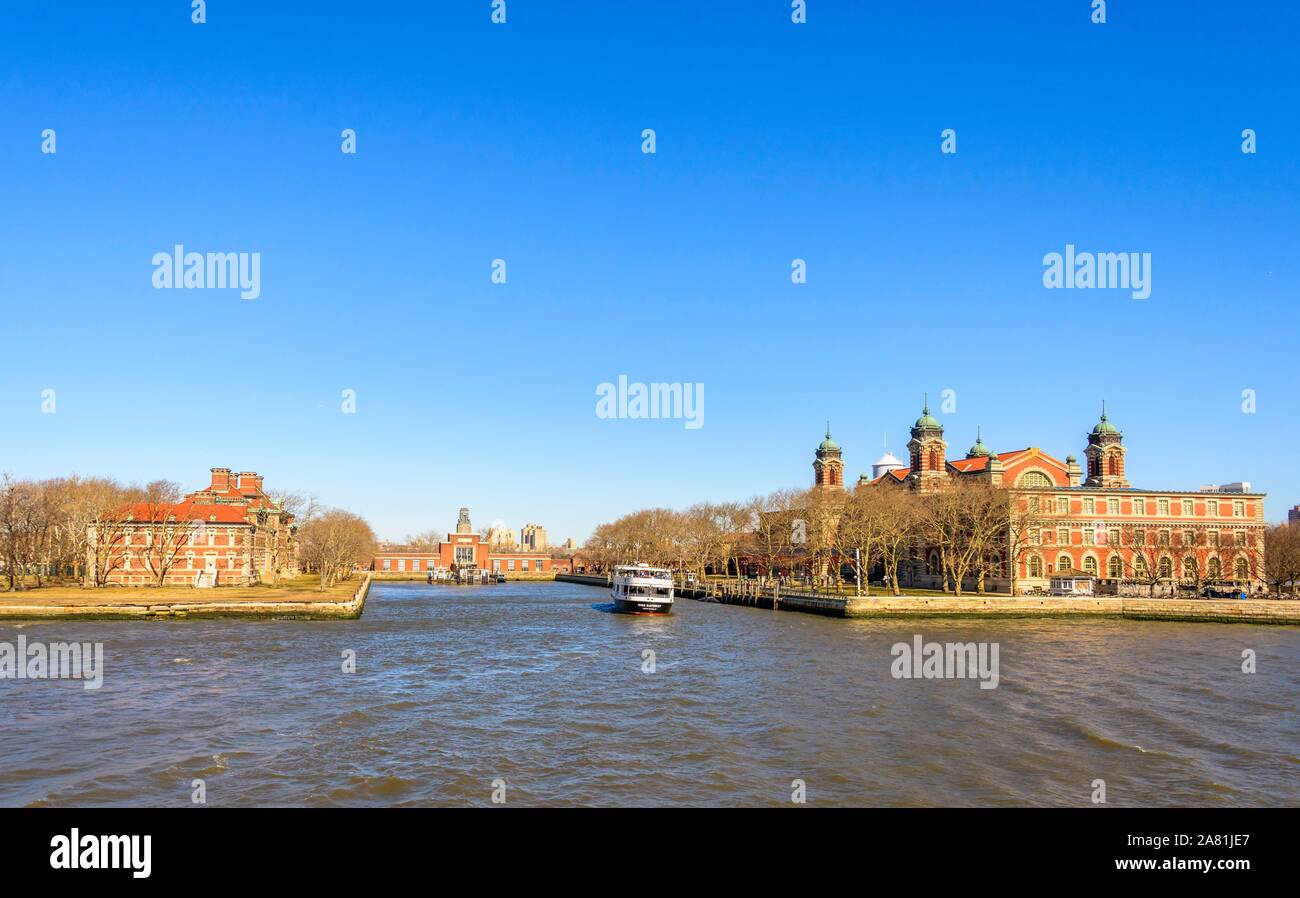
point(886, 463)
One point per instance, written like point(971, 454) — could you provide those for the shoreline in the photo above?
point(1278, 612)
point(294, 606)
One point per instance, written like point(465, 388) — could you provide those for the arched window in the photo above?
point(1215, 568)
point(1116, 568)
point(1191, 570)
point(1090, 565)
point(1063, 563)
point(1140, 565)
point(1166, 568)
point(1033, 480)
point(1242, 569)
point(1113, 464)
point(1035, 566)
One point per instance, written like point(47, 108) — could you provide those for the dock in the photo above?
point(754, 595)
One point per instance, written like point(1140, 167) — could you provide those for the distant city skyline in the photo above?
point(383, 369)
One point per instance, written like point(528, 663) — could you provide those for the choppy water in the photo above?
point(531, 684)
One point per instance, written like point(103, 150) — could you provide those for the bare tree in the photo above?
point(1282, 556)
point(334, 542)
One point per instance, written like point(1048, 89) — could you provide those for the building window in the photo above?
point(1215, 568)
point(388, 564)
point(1062, 536)
point(1112, 506)
point(1140, 566)
point(1112, 538)
point(1162, 507)
point(1033, 504)
point(1243, 569)
point(1139, 506)
point(1239, 538)
point(1089, 537)
point(1212, 508)
point(1035, 536)
point(510, 565)
point(1139, 537)
point(1166, 568)
point(429, 564)
point(1162, 538)
point(1034, 480)
point(1190, 571)
point(1035, 566)
point(1116, 568)
point(401, 564)
point(1089, 506)
point(523, 565)
point(1063, 563)
point(1090, 565)
point(1238, 509)
point(1062, 505)
point(1187, 507)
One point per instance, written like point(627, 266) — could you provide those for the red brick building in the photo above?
point(1093, 521)
point(464, 549)
point(229, 533)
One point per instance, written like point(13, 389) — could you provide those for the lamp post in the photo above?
point(857, 567)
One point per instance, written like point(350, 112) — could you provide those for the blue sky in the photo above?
point(523, 142)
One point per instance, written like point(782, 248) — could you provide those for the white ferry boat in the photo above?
point(641, 589)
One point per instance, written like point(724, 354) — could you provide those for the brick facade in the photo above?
point(229, 533)
point(1100, 525)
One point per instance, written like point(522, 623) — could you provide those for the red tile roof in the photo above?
point(186, 511)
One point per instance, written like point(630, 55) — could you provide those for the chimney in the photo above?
point(249, 482)
point(220, 479)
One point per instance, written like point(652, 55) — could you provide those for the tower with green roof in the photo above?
point(828, 463)
point(1105, 454)
point(927, 450)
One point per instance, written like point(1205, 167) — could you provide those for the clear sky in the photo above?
point(522, 141)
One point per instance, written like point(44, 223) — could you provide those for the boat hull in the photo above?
point(641, 606)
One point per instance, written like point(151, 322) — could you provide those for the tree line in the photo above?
point(819, 532)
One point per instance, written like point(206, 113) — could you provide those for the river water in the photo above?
point(537, 686)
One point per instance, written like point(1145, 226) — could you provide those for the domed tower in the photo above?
point(979, 450)
point(927, 448)
point(828, 463)
point(1105, 455)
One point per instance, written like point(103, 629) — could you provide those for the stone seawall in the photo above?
point(126, 606)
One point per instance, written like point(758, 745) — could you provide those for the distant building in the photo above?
point(1293, 516)
point(229, 533)
point(463, 549)
point(501, 538)
point(533, 537)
